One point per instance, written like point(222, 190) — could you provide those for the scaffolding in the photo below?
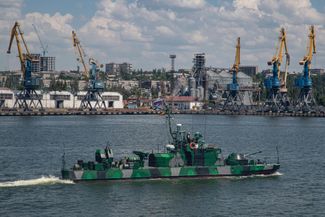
point(200, 76)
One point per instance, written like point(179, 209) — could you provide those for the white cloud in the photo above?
point(60, 24)
point(249, 4)
point(145, 32)
point(165, 30)
point(186, 3)
point(196, 37)
point(109, 8)
point(10, 9)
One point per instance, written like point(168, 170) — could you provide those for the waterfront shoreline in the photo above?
point(153, 112)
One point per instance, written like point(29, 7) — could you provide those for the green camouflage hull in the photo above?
point(169, 172)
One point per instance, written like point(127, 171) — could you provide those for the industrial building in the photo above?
point(36, 62)
point(118, 68)
point(6, 98)
point(249, 70)
point(60, 99)
point(317, 71)
point(42, 63)
point(215, 85)
point(47, 64)
point(3, 79)
point(112, 68)
point(183, 102)
point(128, 84)
point(220, 79)
point(112, 99)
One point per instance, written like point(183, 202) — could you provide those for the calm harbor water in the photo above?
point(30, 162)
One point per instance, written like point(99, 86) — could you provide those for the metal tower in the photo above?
point(276, 85)
point(27, 99)
point(199, 74)
point(234, 101)
point(172, 57)
point(306, 101)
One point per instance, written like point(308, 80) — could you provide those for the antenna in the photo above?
point(277, 154)
point(44, 49)
point(63, 157)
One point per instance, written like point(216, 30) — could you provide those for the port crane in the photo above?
point(44, 48)
point(234, 101)
point(93, 99)
point(306, 101)
point(27, 99)
point(276, 85)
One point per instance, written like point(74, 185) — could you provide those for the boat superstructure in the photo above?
point(186, 156)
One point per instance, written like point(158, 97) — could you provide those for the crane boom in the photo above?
point(311, 49)
point(235, 67)
point(283, 79)
point(15, 33)
point(282, 45)
point(81, 53)
point(279, 82)
point(283, 86)
point(44, 49)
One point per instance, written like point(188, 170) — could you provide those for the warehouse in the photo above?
point(6, 98)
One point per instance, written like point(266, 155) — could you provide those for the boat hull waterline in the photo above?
point(167, 172)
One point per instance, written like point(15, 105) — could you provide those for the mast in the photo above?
point(168, 111)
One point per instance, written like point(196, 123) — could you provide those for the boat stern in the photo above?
point(68, 175)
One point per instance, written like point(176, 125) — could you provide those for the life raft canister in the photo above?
point(193, 145)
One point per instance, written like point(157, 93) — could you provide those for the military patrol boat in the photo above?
point(185, 157)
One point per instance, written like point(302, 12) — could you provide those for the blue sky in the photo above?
point(145, 32)
point(82, 10)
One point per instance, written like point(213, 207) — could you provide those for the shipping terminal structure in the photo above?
point(235, 96)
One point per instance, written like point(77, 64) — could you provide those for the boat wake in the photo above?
point(276, 174)
point(44, 180)
point(260, 176)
